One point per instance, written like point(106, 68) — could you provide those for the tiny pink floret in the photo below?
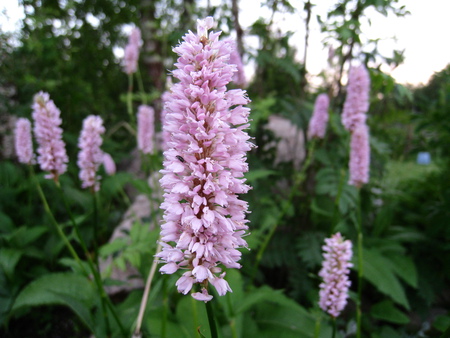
point(205, 161)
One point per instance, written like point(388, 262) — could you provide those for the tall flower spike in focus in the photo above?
point(318, 123)
point(356, 103)
point(90, 156)
point(23, 141)
point(335, 270)
point(145, 129)
point(131, 56)
point(52, 156)
point(359, 156)
point(204, 220)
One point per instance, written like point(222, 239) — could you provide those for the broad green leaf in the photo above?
point(404, 267)
point(67, 289)
point(386, 311)
point(377, 270)
point(113, 247)
point(6, 224)
point(254, 175)
point(47, 290)
point(442, 323)
point(191, 314)
point(9, 259)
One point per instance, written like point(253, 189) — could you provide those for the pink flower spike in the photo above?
point(108, 164)
point(90, 156)
point(23, 141)
point(204, 164)
point(52, 156)
point(356, 103)
point(318, 123)
point(335, 270)
point(359, 156)
point(132, 51)
point(239, 75)
point(145, 129)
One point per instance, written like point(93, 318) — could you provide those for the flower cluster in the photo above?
point(335, 270)
point(354, 119)
point(51, 150)
point(359, 156)
point(356, 103)
point(204, 220)
point(235, 58)
point(90, 156)
point(108, 164)
point(145, 129)
point(23, 141)
point(132, 51)
point(318, 123)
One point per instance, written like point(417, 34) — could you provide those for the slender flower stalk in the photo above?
point(51, 150)
point(145, 129)
point(356, 103)
point(318, 123)
point(132, 51)
point(23, 141)
point(90, 156)
point(359, 156)
point(204, 220)
point(108, 164)
point(335, 270)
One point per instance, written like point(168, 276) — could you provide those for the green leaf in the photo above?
point(442, 323)
point(386, 311)
point(8, 260)
point(117, 245)
point(67, 289)
point(378, 270)
point(404, 267)
point(254, 175)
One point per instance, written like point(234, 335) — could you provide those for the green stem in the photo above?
point(130, 98)
point(94, 270)
point(141, 87)
point(211, 320)
point(334, 328)
point(55, 223)
point(300, 177)
point(317, 327)
point(195, 315)
point(337, 201)
point(360, 267)
point(97, 264)
point(148, 285)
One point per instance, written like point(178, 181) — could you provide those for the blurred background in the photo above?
point(292, 51)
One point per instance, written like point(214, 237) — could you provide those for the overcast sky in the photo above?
point(423, 34)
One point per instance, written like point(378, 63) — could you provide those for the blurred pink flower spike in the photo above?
point(356, 103)
point(145, 129)
point(318, 123)
point(108, 164)
point(131, 56)
point(52, 156)
point(359, 156)
point(23, 141)
point(90, 156)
